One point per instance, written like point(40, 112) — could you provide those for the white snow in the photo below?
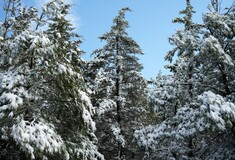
point(61, 68)
point(34, 136)
point(213, 112)
point(117, 133)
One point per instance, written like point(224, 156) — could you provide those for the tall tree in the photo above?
point(187, 45)
point(209, 111)
point(217, 52)
point(45, 111)
point(119, 90)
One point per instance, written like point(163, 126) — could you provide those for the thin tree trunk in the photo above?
point(190, 75)
point(118, 82)
point(224, 79)
point(118, 102)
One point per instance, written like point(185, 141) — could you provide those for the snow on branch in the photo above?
point(209, 112)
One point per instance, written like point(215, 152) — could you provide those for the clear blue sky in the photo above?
point(150, 25)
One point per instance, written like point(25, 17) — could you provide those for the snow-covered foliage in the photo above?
point(105, 106)
point(118, 89)
point(37, 137)
point(200, 93)
point(219, 21)
point(217, 53)
point(162, 95)
point(210, 112)
point(45, 112)
point(212, 46)
point(117, 133)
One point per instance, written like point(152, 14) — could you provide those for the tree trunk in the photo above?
point(224, 79)
point(190, 75)
point(118, 102)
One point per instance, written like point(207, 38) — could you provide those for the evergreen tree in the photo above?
point(206, 106)
point(217, 52)
point(187, 45)
point(119, 90)
point(45, 111)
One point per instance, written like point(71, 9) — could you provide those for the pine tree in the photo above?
point(119, 90)
point(217, 52)
point(187, 45)
point(185, 68)
point(45, 111)
point(209, 111)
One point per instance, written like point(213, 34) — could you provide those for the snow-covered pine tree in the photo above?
point(45, 112)
point(187, 42)
point(187, 45)
point(217, 51)
point(119, 90)
point(172, 92)
point(203, 126)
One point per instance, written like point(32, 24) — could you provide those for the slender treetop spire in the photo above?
point(187, 19)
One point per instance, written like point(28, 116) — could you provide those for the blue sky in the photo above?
point(150, 25)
